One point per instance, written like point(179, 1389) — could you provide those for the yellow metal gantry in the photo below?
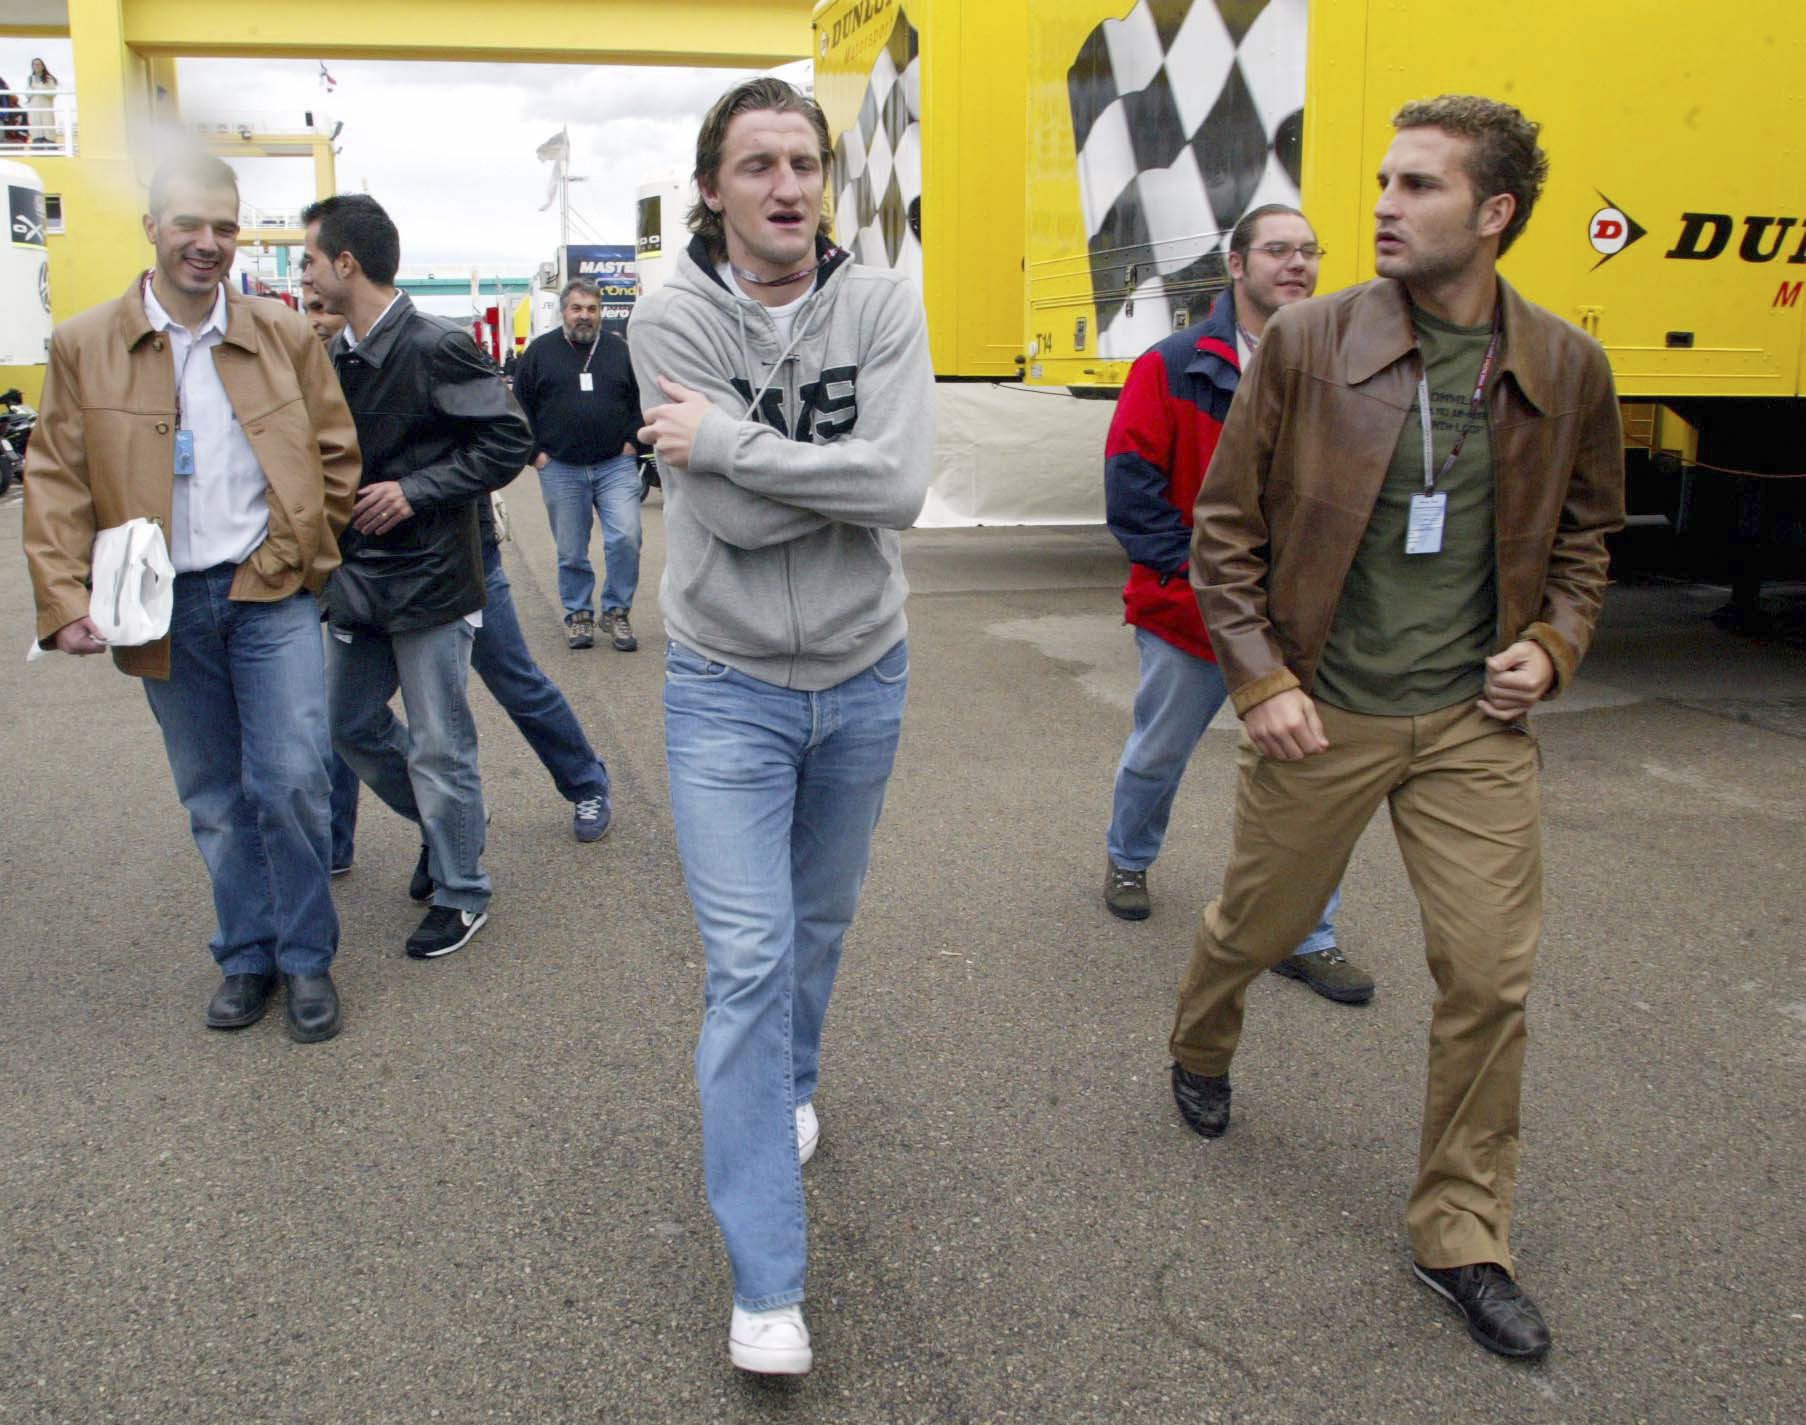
point(744, 34)
point(125, 76)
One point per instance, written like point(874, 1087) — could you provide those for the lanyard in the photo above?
point(592, 352)
point(1431, 475)
point(194, 341)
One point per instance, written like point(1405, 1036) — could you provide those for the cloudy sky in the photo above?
point(448, 148)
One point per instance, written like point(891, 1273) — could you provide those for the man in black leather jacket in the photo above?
point(439, 432)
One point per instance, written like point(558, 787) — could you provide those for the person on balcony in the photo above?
point(13, 128)
point(40, 103)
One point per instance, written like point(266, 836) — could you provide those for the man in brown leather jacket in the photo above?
point(1386, 608)
point(217, 417)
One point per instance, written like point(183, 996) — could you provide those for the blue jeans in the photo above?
point(426, 770)
point(541, 712)
point(500, 657)
point(1179, 695)
point(612, 490)
point(343, 803)
point(243, 715)
point(775, 795)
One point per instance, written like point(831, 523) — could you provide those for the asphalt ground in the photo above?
point(483, 1201)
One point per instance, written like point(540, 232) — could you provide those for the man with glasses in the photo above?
point(1161, 439)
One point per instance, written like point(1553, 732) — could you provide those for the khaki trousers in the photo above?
point(1465, 803)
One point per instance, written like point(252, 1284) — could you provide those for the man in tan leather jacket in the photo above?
point(1386, 609)
point(217, 417)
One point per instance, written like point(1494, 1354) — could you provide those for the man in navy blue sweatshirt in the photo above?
point(578, 391)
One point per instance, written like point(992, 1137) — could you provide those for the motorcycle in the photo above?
point(18, 422)
point(11, 467)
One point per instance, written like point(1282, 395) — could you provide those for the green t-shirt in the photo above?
point(1412, 631)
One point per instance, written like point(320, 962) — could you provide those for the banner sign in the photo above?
point(25, 217)
point(610, 267)
point(24, 277)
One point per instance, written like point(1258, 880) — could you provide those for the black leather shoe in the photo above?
point(1203, 1101)
point(1498, 1313)
point(239, 1001)
point(313, 1008)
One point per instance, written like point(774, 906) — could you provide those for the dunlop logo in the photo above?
point(856, 18)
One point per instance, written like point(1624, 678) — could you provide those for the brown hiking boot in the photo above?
point(619, 630)
point(1330, 975)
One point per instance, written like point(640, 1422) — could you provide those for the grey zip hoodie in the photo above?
point(782, 556)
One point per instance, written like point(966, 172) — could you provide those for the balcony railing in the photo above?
point(43, 122)
point(250, 216)
point(37, 122)
point(245, 124)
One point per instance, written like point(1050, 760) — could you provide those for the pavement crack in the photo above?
point(1184, 1327)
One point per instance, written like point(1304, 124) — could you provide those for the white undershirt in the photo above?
point(221, 513)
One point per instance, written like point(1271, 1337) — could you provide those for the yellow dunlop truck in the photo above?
point(1673, 226)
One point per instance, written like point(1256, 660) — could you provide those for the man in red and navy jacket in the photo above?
point(1161, 439)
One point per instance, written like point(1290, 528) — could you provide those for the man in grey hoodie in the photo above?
point(789, 396)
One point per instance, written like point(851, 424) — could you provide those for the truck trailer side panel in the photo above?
point(1153, 128)
point(924, 102)
point(1672, 226)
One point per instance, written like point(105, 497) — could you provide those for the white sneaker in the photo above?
point(770, 1343)
point(808, 1132)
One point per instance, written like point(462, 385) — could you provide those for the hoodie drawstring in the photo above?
point(797, 332)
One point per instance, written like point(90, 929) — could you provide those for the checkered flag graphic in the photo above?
point(878, 162)
point(1185, 114)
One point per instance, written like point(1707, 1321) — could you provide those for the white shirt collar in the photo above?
point(162, 321)
point(351, 340)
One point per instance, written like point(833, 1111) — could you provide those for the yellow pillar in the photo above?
point(109, 79)
point(103, 187)
point(326, 171)
point(166, 94)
